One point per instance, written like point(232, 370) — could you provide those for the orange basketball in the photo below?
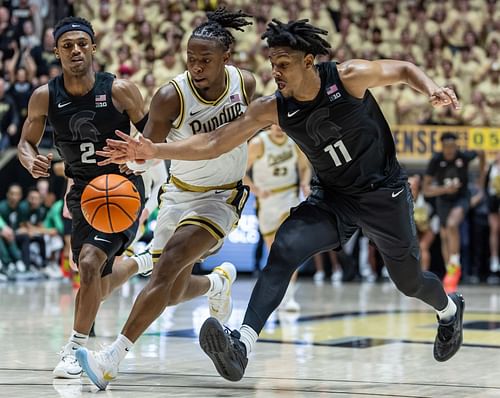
point(111, 203)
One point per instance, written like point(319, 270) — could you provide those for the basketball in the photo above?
point(111, 203)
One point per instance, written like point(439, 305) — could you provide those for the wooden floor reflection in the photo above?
point(351, 340)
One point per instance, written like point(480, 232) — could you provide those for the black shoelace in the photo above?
point(235, 341)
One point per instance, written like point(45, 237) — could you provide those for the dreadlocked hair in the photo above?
point(217, 24)
point(298, 35)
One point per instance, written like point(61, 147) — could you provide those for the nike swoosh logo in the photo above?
point(290, 114)
point(194, 113)
point(394, 194)
point(101, 239)
point(220, 191)
point(61, 105)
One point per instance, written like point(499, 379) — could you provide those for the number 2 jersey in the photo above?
point(82, 124)
point(346, 139)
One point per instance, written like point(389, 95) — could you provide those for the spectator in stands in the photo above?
point(424, 221)
point(9, 117)
point(44, 57)
point(9, 212)
point(31, 216)
point(148, 88)
point(493, 193)
point(6, 235)
point(465, 67)
point(438, 46)
point(167, 67)
point(477, 112)
point(20, 91)
point(53, 230)
point(449, 169)
point(28, 39)
point(7, 33)
point(489, 88)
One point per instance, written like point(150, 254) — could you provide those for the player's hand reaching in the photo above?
point(41, 165)
point(127, 149)
point(444, 96)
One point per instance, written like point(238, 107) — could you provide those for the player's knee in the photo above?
point(409, 289)
point(175, 296)
point(89, 269)
point(285, 254)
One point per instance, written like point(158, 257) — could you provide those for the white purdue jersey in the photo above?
point(199, 116)
point(494, 180)
point(276, 170)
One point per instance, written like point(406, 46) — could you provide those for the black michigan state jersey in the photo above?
point(82, 124)
point(452, 172)
point(346, 139)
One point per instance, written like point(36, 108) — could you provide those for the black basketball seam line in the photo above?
point(111, 196)
point(95, 213)
point(107, 204)
point(116, 186)
point(122, 209)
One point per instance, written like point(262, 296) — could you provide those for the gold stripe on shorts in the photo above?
point(156, 255)
point(194, 188)
point(206, 224)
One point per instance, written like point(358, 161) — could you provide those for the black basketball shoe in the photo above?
point(224, 348)
point(450, 334)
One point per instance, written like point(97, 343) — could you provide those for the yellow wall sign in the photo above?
point(415, 142)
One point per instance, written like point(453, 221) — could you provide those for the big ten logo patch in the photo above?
point(333, 92)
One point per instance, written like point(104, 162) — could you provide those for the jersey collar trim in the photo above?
point(204, 101)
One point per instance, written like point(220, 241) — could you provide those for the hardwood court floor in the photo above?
point(353, 340)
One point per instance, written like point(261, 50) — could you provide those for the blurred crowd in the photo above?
point(457, 42)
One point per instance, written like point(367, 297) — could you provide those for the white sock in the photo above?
point(448, 312)
point(216, 284)
point(289, 293)
point(248, 337)
point(120, 347)
point(144, 262)
point(455, 259)
point(78, 338)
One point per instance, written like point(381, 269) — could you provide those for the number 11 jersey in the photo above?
point(346, 139)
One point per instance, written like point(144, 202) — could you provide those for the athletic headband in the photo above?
point(71, 26)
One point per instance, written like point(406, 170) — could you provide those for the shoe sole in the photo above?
point(462, 307)
point(213, 342)
point(83, 360)
point(66, 375)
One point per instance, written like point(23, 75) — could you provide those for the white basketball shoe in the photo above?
point(100, 366)
point(68, 367)
point(221, 304)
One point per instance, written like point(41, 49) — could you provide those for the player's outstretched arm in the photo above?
point(34, 125)
point(164, 110)
point(260, 113)
point(358, 75)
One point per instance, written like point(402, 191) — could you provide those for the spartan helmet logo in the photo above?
point(321, 128)
point(82, 128)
